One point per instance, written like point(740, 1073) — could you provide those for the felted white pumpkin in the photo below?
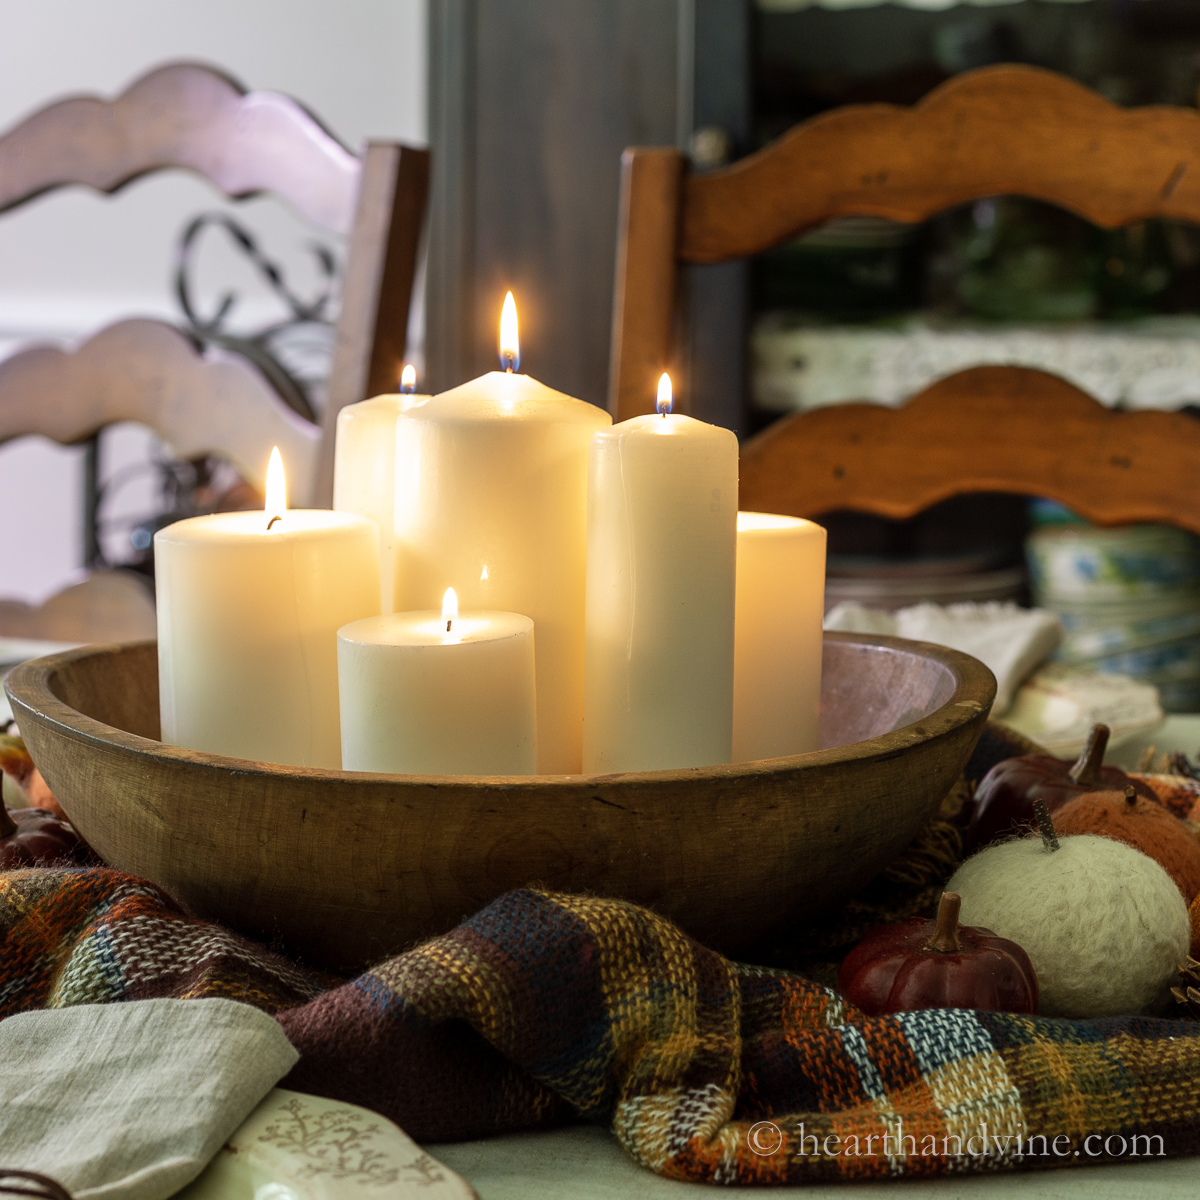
point(1104, 925)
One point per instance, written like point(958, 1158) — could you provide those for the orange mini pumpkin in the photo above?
point(27, 782)
point(1142, 824)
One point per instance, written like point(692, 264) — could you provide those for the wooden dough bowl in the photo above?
point(345, 868)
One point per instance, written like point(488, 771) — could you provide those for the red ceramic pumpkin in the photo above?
point(938, 964)
point(1003, 802)
point(33, 837)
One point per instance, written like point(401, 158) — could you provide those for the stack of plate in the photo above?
point(1129, 601)
point(889, 583)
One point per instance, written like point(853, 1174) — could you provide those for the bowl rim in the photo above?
point(30, 692)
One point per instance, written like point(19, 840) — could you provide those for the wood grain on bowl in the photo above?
point(345, 868)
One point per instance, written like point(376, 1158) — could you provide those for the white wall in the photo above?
point(72, 261)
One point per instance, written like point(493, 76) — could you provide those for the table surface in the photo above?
point(587, 1163)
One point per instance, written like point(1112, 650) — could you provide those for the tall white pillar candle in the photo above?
point(247, 629)
point(778, 636)
point(491, 497)
point(662, 541)
point(364, 471)
point(425, 695)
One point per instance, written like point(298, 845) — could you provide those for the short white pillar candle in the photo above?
point(249, 605)
point(428, 693)
point(778, 637)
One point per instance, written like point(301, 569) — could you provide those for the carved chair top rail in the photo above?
point(189, 116)
point(192, 116)
point(143, 370)
point(1005, 130)
point(986, 429)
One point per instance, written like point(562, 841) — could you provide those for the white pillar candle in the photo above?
point(662, 542)
point(424, 693)
point(491, 496)
point(247, 628)
point(364, 469)
point(778, 636)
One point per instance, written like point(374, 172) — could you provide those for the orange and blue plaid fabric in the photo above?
point(544, 1006)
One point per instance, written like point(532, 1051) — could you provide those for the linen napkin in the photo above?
point(131, 1100)
point(1013, 642)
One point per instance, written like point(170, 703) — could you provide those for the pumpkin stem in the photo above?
point(1087, 767)
point(7, 825)
point(945, 932)
point(1045, 825)
point(1131, 796)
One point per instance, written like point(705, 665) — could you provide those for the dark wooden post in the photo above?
point(380, 267)
point(644, 292)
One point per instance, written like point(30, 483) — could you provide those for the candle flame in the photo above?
point(408, 379)
point(449, 608)
point(510, 342)
point(664, 393)
point(485, 574)
point(276, 488)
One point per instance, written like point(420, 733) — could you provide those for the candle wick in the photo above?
point(272, 521)
point(447, 626)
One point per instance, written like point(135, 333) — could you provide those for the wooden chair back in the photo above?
point(1007, 130)
point(189, 116)
point(108, 606)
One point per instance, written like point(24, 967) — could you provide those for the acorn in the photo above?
point(1187, 993)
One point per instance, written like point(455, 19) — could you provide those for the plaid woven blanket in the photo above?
point(547, 1007)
